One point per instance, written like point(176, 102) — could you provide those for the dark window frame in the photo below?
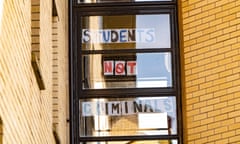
point(76, 91)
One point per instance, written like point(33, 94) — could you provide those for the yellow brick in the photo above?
point(234, 126)
point(195, 11)
point(189, 20)
point(234, 34)
point(204, 61)
point(199, 93)
point(209, 30)
point(230, 42)
point(190, 42)
point(193, 112)
point(213, 89)
point(228, 134)
point(225, 73)
point(190, 65)
point(223, 37)
point(215, 10)
point(203, 49)
point(196, 34)
point(206, 109)
point(229, 18)
point(222, 25)
point(233, 114)
point(193, 2)
point(216, 22)
point(216, 34)
point(220, 93)
point(221, 117)
point(220, 105)
point(192, 89)
point(228, 6)
point(197, 57)
point(199, 105)
point(218, 58)
point(193, 124)
point(203, 140)
point(188, 8)
point(222, 141)
point(236, 82)
point(214, 125)
point(213, 101)
point(227, 109)
point(198, 81)
point(234, 139)
point(201, 4)
point(192, 101)
point(202, 15)
point(225, 85)
point(198, 69)
point(212, 65)
point(208, 7)
point(207, 121)
point(221, 130)
point(194, 136)
point(221, 3)
point(208, 19)
point(233, 89)
point(206, 97)
point(227, 122)
point(203, 38)
point(211, 53)
point(192, 77)
point(197, 129)
point(212, 77)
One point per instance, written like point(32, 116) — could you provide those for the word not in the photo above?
point(118, 36)
point(117, 108)
point(117, 67)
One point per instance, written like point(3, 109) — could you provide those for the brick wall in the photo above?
point(210, 46)
point(25, 110)
point(59, 72)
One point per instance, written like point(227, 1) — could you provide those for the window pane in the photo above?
point(116, 1)
point(141, 70)
point(126, 32)
point(136, 142)
point(128, 116)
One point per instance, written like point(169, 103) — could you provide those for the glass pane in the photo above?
point(136, 142)
point(115, 1)
point(126, 32)
point(141, 70)
point(128, 116)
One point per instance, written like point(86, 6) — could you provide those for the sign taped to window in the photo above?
point(128, 107)
point(146, 35)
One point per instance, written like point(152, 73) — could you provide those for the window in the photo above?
point(118, 1)
point(125, 73)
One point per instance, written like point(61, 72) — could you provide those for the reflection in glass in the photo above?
point(128, 116)
point(126, 32)
point(141, 70)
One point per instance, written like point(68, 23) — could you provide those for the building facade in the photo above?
point(86, 87)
